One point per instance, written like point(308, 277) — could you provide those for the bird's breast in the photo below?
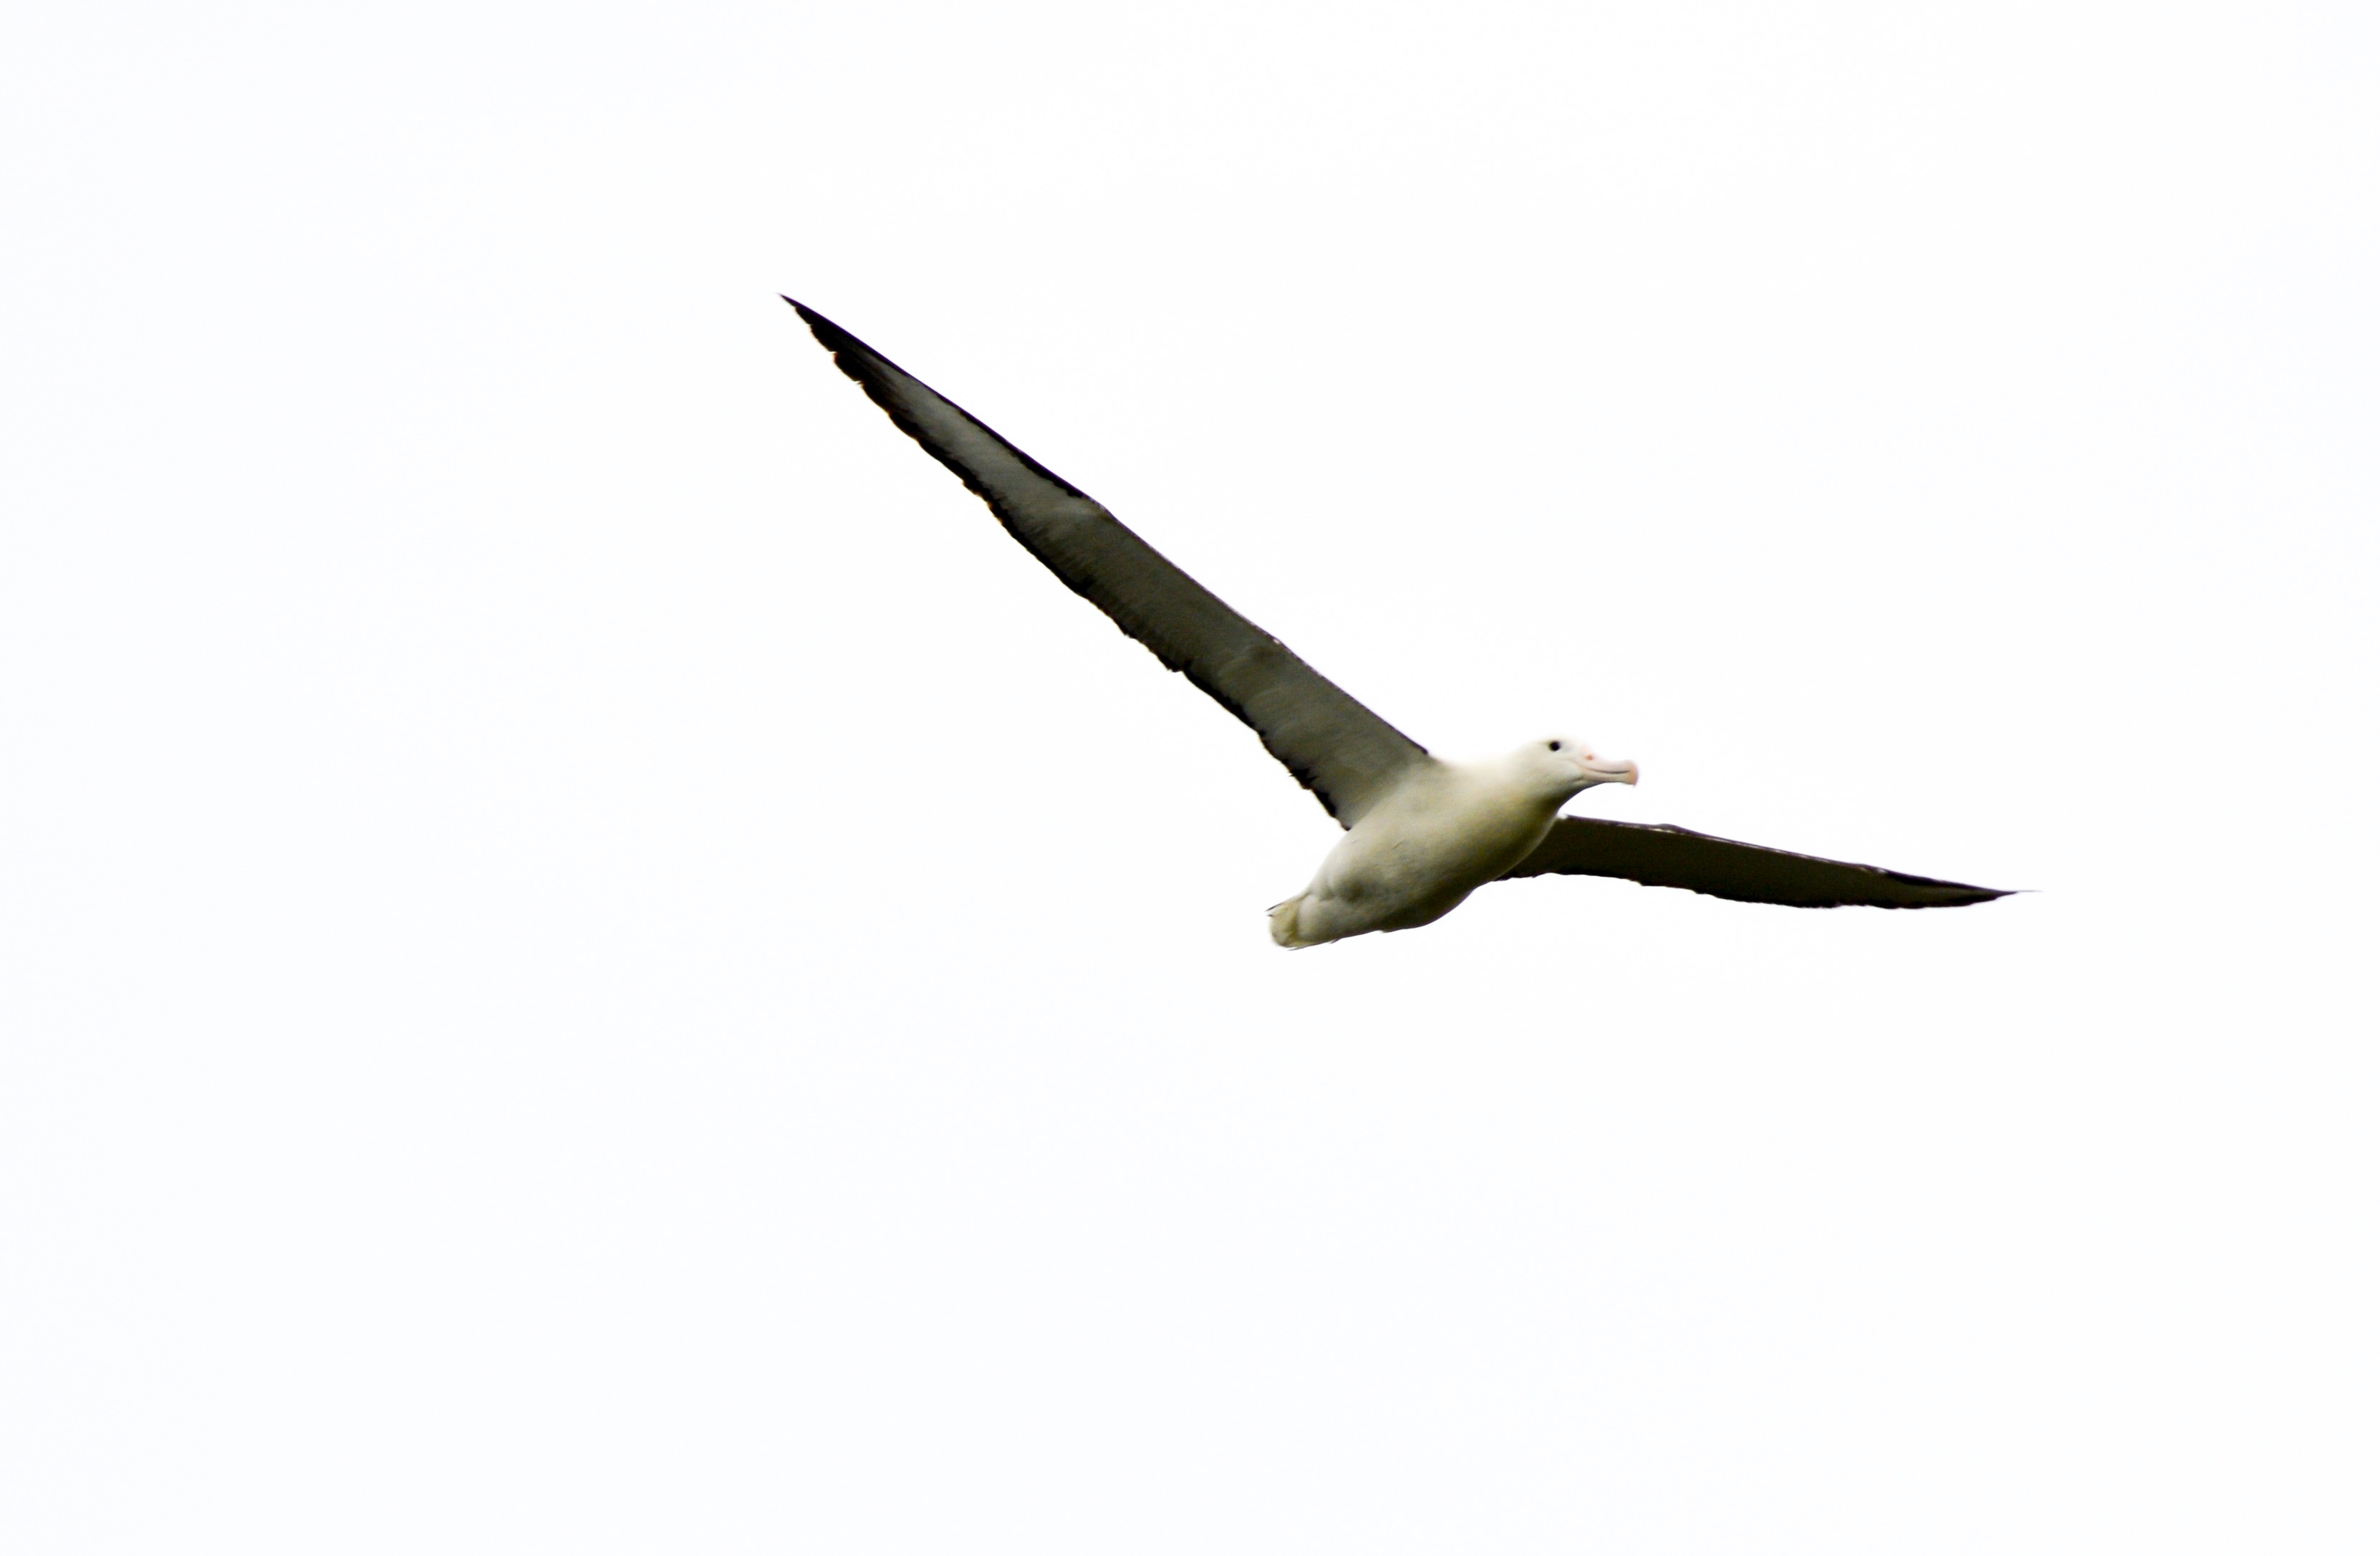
point(1419, 848)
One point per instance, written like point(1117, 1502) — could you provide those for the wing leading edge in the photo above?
point(1693, 861)
point(1348, 755)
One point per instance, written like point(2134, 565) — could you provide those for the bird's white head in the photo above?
point(1563, 766)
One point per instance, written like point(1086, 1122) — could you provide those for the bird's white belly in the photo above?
point(1413, 860)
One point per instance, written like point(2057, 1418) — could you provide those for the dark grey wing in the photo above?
point(1657, 856)
point(1348, 755)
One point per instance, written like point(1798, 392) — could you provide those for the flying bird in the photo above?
point(1421, 834)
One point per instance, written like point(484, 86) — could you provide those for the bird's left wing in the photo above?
point(1348, 755)
point(1662, 856)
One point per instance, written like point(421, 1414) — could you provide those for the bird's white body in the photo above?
point(1446, 830)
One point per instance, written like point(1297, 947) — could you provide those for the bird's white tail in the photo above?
point(1284, 924)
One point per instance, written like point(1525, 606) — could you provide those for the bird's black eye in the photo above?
point(1553, 745)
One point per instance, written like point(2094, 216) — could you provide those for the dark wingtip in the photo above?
point(853, 356)
point(1948, 894)
point(829, 333)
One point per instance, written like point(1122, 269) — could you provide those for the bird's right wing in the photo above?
point(1348, 755)
point(1661, 856)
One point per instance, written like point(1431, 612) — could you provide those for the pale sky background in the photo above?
point(591, 959)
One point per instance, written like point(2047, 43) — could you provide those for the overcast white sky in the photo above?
point(591, 959)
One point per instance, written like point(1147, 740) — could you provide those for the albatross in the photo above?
point(1422, 833)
